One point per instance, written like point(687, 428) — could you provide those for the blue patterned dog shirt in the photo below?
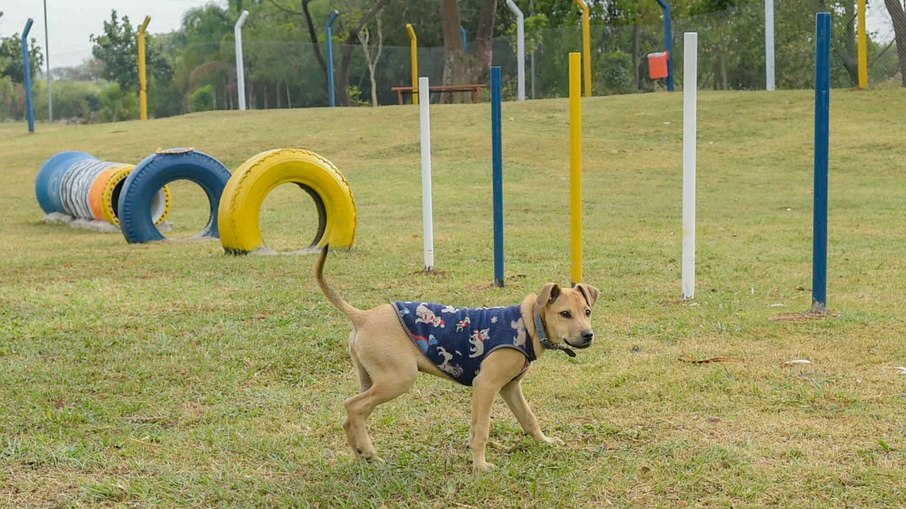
point(458, 340)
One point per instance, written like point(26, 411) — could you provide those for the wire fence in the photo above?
point(282, 74)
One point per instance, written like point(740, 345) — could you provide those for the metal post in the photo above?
point(47, 62)
point(668, 42)
point(413, 52)
point(690, 128)
point(497, 177)
point(465, 38)
point(240, 65)
point(26, 71)
point(822, 142)
point(330, 84)
point(863, 47)
point(586, 44)
point(575, 163)
point(424, 115)
point(142, 71)
point(520, 47)
point(770, 67)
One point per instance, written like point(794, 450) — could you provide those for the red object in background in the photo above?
point(657, 65)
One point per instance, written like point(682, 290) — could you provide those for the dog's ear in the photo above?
point(548, 294)
point(589, 292)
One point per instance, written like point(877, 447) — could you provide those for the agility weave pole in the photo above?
point(822, 143)
point(497, 173)
point(690, 128)
point(424, 115)
point(575, 163)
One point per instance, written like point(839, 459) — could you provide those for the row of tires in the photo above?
point(138, 201)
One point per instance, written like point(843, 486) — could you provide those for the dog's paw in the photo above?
point(554, 441)
point(482, 467)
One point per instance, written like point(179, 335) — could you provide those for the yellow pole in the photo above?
point(863, 47)
point(413, 45)
point(586, 44)
point(575, 163)
point(142, 71)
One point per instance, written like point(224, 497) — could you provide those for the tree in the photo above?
point(11, 64)
point(117, 48)
point(372, 54)
point(898, 16)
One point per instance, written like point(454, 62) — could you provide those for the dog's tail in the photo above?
point(331, 295)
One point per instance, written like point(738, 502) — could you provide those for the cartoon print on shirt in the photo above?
point(447, 366)
point(519, 327)
point(463, 324)
point(477, 340)
point(425, 315)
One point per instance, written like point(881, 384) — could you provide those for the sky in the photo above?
point(73, 21)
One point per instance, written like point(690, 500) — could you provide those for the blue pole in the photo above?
point(497, 157)
point(465, 38)
point(330, 85)
point(668, 41)
point(822, 142)
point(26, 70)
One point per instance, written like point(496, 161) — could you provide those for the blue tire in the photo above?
point(50, 177)
point(158, 170)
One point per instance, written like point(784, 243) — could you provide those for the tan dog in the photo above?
point(388, 360)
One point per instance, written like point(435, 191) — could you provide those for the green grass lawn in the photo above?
point(170, 374)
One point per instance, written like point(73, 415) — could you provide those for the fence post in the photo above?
point(586, 44)
point(240, 66)
point(26, 71)
point(863, 47)
point(413, 50)
point(143, 71)
point(330, 85)
point(668, 42)
point(520, 47)
point(770, 66)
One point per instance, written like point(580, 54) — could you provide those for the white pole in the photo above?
point(240, 68)
point(47, 61)
point(690, 128)
point(769, 44)
point(520, 46)
point(424, 102)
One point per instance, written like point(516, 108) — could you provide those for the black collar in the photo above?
point(542, 337)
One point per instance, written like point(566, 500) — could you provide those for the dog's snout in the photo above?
point(588, 336)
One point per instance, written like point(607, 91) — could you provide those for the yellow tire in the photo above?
point(239, 216)
point(105, 196)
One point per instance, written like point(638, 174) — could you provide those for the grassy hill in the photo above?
point(170, 374)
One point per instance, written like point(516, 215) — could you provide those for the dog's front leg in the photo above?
point(483, 395)
point(515, 399)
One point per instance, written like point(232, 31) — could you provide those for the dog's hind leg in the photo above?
point(364, 377)
point(386, 384)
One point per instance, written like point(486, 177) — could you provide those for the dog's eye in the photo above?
point(587, 312)
point(566, 314)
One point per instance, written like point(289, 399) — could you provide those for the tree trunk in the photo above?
point(898, 16)
point(352, 38)
point(459, 67)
